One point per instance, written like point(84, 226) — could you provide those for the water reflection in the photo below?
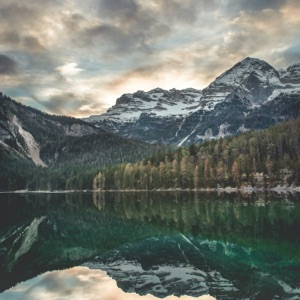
point(259, 220)
point(77, 283)
point(229, 246)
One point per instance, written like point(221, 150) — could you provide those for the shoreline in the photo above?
point(248, 190)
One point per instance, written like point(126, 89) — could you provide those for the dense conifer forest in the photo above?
point(72, 149)
point(263, 159)
point(76, 162)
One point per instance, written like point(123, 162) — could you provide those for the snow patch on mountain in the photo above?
point(250, 95)
point(241, 71)
point(159, 102)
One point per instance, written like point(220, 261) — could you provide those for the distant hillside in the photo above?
point(42, 151)
point(262, 159)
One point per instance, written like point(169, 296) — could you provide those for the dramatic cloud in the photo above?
point(69, 69)
point(292, 54)
point(117, 8)
point(77, 57)
point(257, 5)
point(78, 283)
point(74, 103)
point(7, 65)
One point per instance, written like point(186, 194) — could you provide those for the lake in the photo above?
point(127, 245)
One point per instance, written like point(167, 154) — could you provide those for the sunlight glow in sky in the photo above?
point(77, 57)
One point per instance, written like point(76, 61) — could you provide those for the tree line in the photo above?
point(262, 159)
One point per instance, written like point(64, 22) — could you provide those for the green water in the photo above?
point(230, 246)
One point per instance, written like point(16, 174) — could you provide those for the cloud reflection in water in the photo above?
point(77, 283)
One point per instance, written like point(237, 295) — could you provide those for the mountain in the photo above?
point(42, 151)
point(149, 116)
point(26, 131)
point(250, 95)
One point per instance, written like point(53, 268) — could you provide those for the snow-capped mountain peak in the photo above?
point(253, 76)
point(242, 70)
point(250, 95)
point(159, 102)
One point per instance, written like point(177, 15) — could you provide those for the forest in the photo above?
point(76, 163)
point(72, 149)
point(260, 159)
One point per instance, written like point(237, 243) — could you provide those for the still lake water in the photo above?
point(230, 246)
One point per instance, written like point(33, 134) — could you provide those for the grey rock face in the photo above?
point(24, 130)
point(250, 95)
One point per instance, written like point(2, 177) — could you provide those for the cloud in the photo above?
point(32, 43)
point(258, 5)
point(164, 11)
point(158, 74)
point(121, 34)
point(110, 37)
point(73, 21)
point(16, 14)
point(70, 103)
point(8, 66)
point(119, 8)
point(10, 37)
point(233, 7)
point(291, 55)
point(27, 42)
point(69, 69)
point(25, 34)
point(179, 11)
point(265, 34)
point(60, 103)
point(126, 45)
point(135, 26)
point(29, 25)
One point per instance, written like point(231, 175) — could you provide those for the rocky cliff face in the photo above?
point(159, 102)
point(24, 130)
point(250, 95)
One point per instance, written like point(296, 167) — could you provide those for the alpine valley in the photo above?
point(173, 194)
point(48, 152)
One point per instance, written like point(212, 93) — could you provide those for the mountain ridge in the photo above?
point(246, 92)
point(24, 129)
point(251, 95)
point(48, 152)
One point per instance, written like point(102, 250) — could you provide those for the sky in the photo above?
point(78, 283)
point(73, 57)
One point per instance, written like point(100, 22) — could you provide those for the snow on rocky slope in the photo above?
point(250, 95)
point(162, 103)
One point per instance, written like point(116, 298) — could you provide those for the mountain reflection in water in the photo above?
point(229, 246)
point(77, 283)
